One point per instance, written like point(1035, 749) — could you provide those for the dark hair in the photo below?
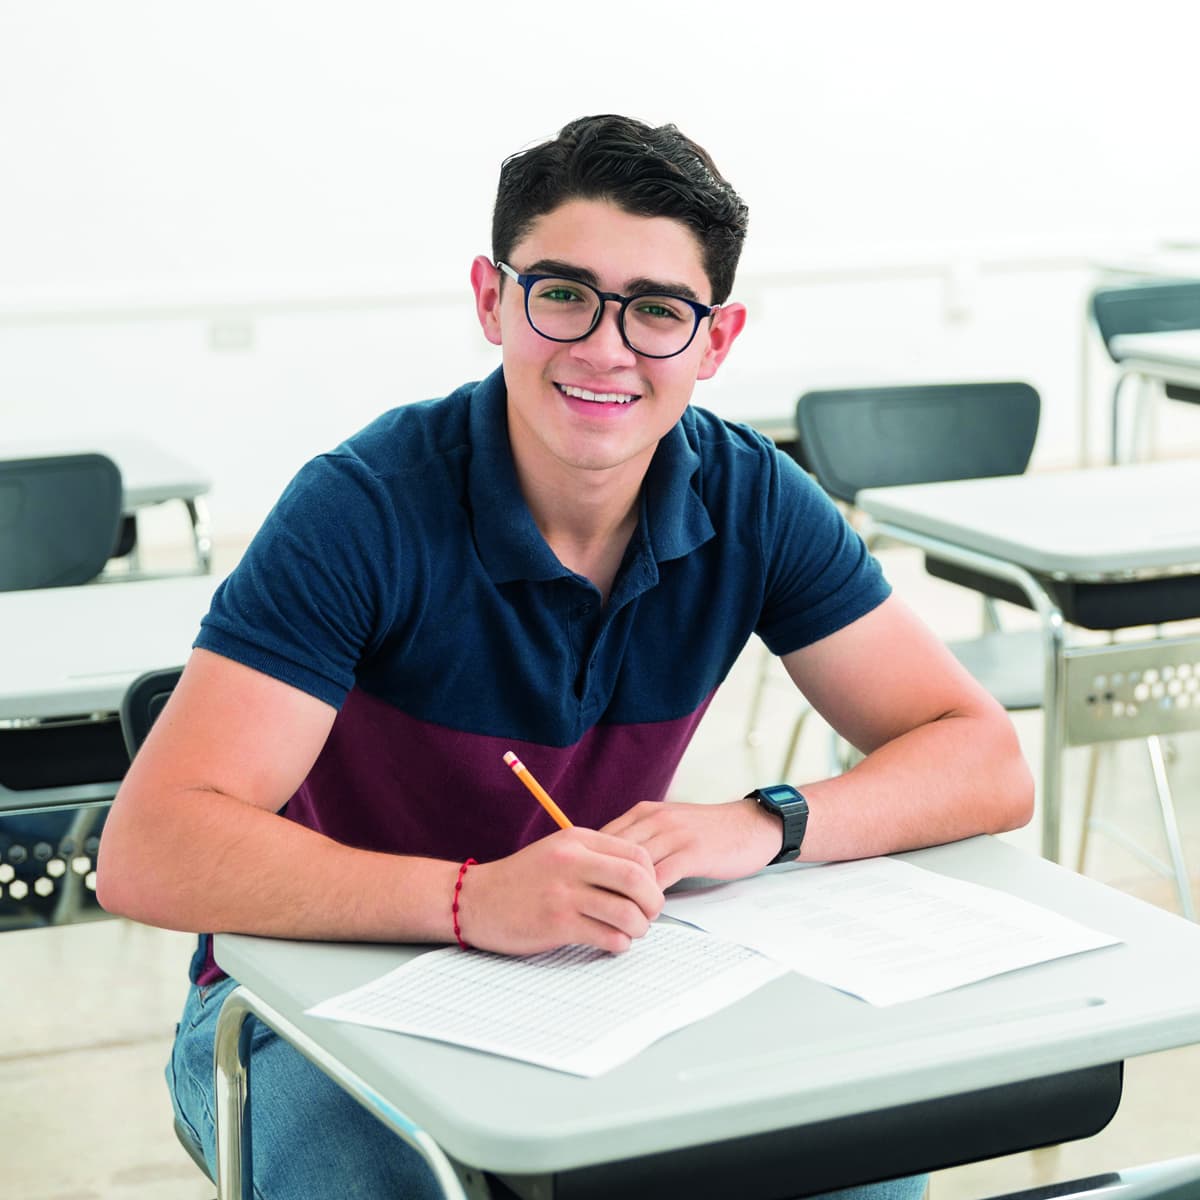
point(651, 172)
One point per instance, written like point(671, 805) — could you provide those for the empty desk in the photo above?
point(150, 475)
point(68, 655)
point(1104, 549)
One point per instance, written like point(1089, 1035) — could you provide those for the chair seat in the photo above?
point(1011, 666)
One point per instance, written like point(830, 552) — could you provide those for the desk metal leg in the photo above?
point(231, 1064)
point(1166, 808)
point(1055, 686)
point(1054, 723)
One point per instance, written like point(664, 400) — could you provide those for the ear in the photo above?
point(727, 323)
point(485, 281)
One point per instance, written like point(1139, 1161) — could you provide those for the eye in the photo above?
point(659, 308)
point(558, 292)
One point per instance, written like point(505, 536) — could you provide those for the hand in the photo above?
point(574, 887)
point(718, 841)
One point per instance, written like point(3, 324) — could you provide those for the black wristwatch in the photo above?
point(792, 809)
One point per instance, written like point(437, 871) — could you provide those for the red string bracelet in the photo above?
point(454, 907)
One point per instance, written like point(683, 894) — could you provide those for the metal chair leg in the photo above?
point(1145, 420)
point(842, 755)
point(794, 742)
point(1114, 431)
point(991, 616)
point(752, 735)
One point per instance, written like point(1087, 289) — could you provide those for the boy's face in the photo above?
point(551, 428)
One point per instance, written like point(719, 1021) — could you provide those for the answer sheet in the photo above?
point(883, 929)
point(575, 1009)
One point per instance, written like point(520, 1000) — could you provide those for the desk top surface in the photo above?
point(1179, 348)
point(149, 474)
point(794, 1052)
point(76, 649)
point(1081, 524)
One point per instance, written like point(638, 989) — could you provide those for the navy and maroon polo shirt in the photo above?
point(402, 579)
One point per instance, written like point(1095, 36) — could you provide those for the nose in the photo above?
point(604, 348)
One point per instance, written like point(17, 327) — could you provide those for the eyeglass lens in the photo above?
point(565, 309)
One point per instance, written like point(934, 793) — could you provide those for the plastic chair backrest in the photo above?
point(854, 438)
point(1146, 308)
point(59, 519)
point(143, 701)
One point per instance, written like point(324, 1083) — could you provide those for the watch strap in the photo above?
point(790, 805)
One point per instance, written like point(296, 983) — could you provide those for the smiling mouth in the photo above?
point(577, 393)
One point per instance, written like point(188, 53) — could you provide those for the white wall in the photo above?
point(245, 226)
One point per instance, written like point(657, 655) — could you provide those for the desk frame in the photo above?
point(1144, 370)
point(709, 1100)
point(1069, 701)
point(231, 1062)
point(1043, 1111)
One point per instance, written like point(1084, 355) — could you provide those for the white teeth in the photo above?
point(597, 397)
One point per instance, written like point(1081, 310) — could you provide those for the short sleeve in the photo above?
point(315, 590)
point(819, 574)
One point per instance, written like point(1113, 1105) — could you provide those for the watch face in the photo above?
point(780, 793)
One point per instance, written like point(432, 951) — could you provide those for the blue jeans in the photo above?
point(312, 1139)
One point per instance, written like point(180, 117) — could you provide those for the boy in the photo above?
point(564, 560)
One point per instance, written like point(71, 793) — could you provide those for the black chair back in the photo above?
point(59, 519)
point(854, 438)
point(1155, 307)
point(144, 699)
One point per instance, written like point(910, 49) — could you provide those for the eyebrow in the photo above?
point(633, 287)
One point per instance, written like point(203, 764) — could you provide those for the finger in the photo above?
point(630, 818)
point(674, 851)
point(626, 880)
point(671, 868)
point(602, 935)
point(615, 912)
point(608, 846)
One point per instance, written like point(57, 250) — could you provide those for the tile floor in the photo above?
point(87, 1011)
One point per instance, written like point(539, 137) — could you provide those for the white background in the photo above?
point(245, 227)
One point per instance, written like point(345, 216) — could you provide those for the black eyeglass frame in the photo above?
point(525, 282)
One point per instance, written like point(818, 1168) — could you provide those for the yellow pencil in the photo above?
point(521, 771)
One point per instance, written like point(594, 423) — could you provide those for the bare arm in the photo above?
point(942, 761)
point(942, 757)
point(194, 842)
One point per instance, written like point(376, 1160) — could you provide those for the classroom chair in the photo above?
point(1145, 307)
point(144, 700)
point(60, 519)
point(854, 438)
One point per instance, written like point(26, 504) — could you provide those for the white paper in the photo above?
point(575, 1009)
point(883, 929)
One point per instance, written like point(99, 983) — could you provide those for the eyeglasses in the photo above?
point(652, 324)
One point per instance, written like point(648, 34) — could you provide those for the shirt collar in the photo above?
point(509, 542)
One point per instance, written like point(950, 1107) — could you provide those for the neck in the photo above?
point(586, 517)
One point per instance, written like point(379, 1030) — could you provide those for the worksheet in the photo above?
point(883, 929)
point(575, 1009)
